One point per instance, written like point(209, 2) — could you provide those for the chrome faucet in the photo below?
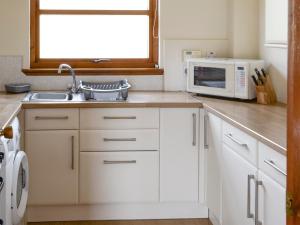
point(62, 67)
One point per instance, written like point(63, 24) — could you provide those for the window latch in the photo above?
point(100, 60)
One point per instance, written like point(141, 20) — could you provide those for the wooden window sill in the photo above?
point(97, 72)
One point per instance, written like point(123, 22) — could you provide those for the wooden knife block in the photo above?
point(265, 93)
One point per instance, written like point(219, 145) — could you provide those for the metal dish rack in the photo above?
point(105, 91)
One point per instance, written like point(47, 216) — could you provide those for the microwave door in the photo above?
point(214, 80)
point(210, 77)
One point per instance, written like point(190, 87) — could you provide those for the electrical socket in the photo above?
point(187, 54)
point(211, 54)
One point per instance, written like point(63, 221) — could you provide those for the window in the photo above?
point(94, 34)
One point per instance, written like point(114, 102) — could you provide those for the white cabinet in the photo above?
point(271, 197)
point(179, 155)
point(119, 119)
point(52, 119)
point(254, 180)
point(119, 177)
point(119, 159)
point(213, 140)
point(119, 140)
point(237, 189)
point(272, 188)
point(276, 21)
point(53, 163)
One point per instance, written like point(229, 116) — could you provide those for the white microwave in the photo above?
point(223, 77)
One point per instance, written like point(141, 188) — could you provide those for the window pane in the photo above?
point(94, 36)
point(95, 4)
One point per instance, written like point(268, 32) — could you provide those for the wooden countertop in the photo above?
point(266, 123)
point(135, 100)
point(10, 106)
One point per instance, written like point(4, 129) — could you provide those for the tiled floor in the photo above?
point(134, 222)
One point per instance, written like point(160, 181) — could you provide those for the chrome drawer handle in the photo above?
point(230, 136)
point(249, 214)
point(273, 164)
point(51, 118)
point(118, 139)
point(119, 117)
point(106, 162)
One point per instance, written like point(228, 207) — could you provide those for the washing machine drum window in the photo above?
point(19, 187)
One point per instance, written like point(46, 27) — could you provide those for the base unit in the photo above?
point(117, 212)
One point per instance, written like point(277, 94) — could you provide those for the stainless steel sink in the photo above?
point(54, 97)
point(49, 97)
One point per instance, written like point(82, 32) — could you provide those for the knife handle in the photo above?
point(259, 76)
point(254, 80)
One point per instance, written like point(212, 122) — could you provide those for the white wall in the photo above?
point(14, 27)
point(190, 24)
point(276, 60)
point(244, 28)
point(184, 24)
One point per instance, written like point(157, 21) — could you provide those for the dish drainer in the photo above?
point(105, 91)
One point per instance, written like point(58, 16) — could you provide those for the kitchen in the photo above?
point(94, 159)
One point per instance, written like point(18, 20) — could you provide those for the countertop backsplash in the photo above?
point(11, 72)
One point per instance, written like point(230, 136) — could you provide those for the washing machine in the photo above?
point(17, 178)
point(3, 151)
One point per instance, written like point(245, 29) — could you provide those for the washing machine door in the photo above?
point(20, 184)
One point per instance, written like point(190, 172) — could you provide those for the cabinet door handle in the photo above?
point(273, 164)
point(256, 219)
point(194, 129)
point(106, 162)
point(51, 118)
point(118, 139)
point(119, 117)
point(230, 136)
point(206, 118)
point(249, 214)
point(72, 153)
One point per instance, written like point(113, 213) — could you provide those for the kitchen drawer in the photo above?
point(52, 119)
point(242, 143)
point(119, 177)
point(119, 140)
point(119, 119)
point(272, 163)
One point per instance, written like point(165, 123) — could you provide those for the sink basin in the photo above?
point(49, 97)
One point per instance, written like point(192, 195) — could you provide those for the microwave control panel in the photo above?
point(241, 80)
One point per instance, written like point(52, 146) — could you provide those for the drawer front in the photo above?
point(118, 119)
point(52, 119)
point(119, 140)
point(272, 163)
point(116, 177)
point(242, 143)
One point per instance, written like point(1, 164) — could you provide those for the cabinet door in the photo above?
point(119, 177)
point(272, 198)
point(179, 140)
point(53, 163)
point(276, 21)
point(214, 159)
point(235, 200)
